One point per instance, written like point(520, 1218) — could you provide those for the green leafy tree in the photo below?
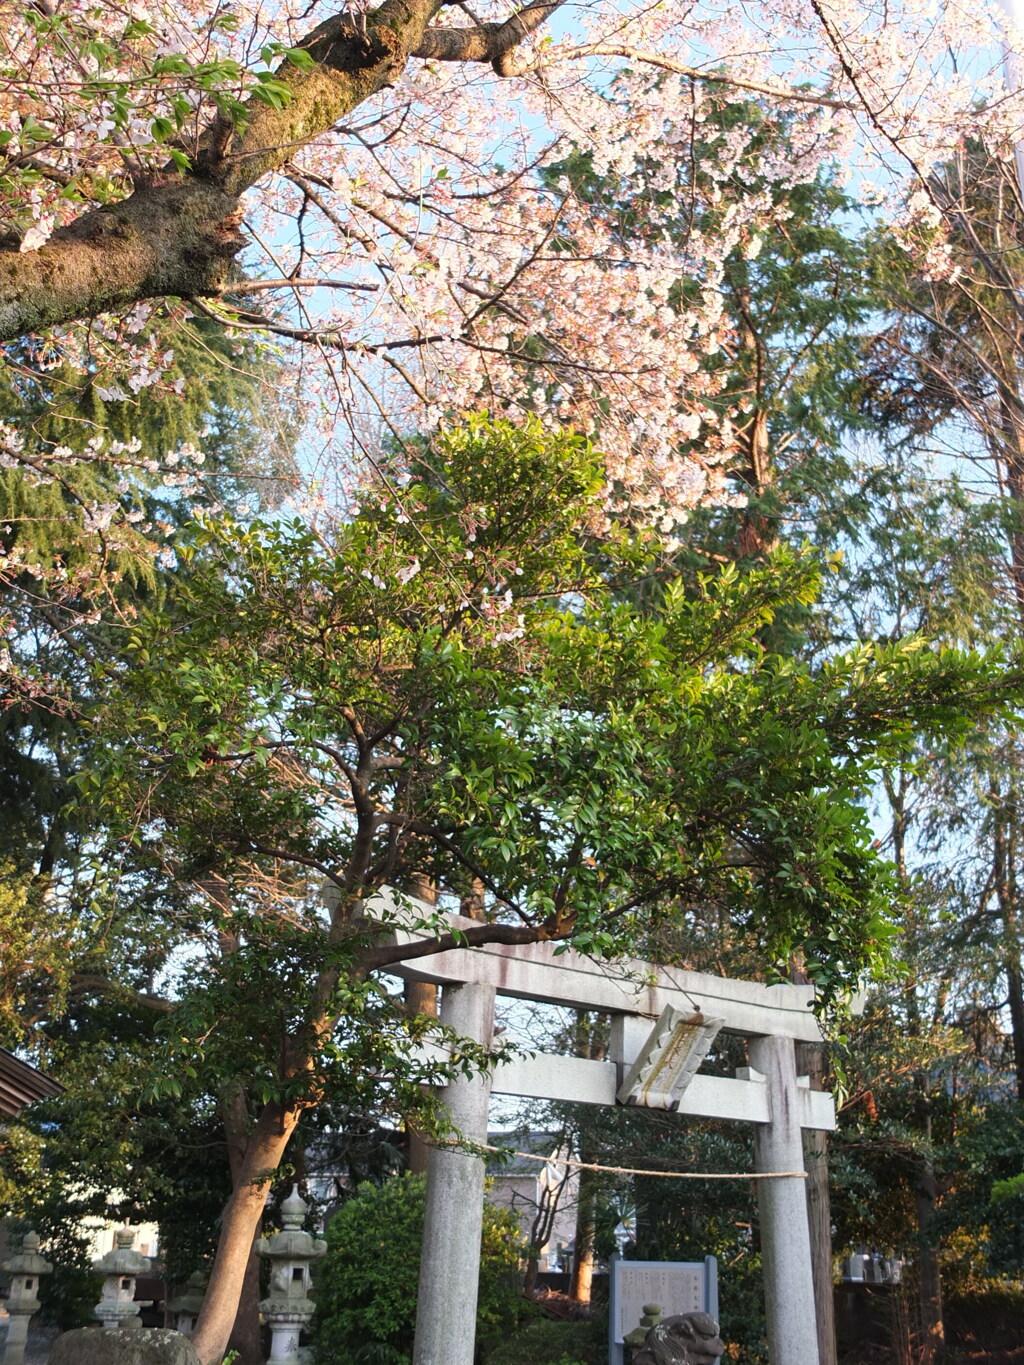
point(97, 478)
point(930, 1057)
point(92, 489)
point(450, 686)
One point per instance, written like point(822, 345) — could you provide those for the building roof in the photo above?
point(21, 1084)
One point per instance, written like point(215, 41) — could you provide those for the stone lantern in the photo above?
point(25, 1269)
point(651, 1317)
point(188, 1304)
point(119, 1268)
point(288, 1307)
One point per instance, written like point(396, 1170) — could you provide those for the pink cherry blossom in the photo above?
point(433, 253)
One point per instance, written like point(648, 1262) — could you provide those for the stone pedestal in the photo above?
point(119, 1268)
point(25, 1268)
point(288, 1306)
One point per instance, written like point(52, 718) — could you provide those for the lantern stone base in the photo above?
point(12, 1348)
point(123, 1346)
point(284, 1338)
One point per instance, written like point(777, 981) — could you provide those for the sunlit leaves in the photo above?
point(503, 714)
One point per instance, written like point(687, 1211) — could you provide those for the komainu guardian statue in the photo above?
point(685, 1339)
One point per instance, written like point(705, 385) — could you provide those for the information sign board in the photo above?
point(678, 1286)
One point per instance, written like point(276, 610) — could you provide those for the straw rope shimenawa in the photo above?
point(471, 1147)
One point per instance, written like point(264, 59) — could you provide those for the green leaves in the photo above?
point(452, 686)
point(297, 56)
point(366, 1288)
point(271, 91)
point(1005, 1190)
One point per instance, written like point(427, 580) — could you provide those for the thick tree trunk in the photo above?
point(810, 1059)
point(819, 1216)
point(420, 998)
point(1015, 991)
point(1013, 475)
point(929, 1269)
point(1011, 964)
point(176, 239)
point(240, 1222)
point(1004, 875)
point(532, 1270)
point(245, 1334)
point(1009, 453)
point(178, 235)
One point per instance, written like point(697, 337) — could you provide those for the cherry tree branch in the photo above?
point(645, 57)
point(178, 234)
point(492, 43)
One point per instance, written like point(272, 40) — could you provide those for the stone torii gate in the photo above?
point(767, 1093)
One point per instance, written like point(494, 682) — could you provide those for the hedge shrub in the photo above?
point(554, 1343)
point(366, 1285)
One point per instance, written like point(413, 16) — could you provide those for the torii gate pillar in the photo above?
point(782, 1203)
point(453, 1218)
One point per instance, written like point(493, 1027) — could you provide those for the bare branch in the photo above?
point(256, 286)
point(654, 59)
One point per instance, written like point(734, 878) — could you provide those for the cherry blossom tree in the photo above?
point(382, 187)
point(376, 182)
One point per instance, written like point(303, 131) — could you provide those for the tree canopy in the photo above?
point(454, 685)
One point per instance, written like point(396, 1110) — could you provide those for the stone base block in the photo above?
point(123, 1346)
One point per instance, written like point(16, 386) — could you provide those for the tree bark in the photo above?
point(420, 998)
point(1004, 875)
point(929, 1268)
point(1015, 993)
point(531, 1272)
point(1012, 451)
point(589, 1043)
point(245, 1333)
point(933, 1332)
point(819, 1216)
point(239, 1224)
point(583, 1254)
